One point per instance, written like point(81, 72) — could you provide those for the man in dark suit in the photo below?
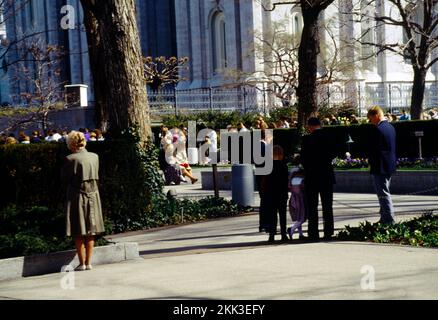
point(317, 154)
point(383, 161)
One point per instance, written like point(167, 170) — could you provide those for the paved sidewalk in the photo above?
point(229, 259)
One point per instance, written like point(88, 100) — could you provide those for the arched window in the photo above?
point(219, 42)
point(297, 24)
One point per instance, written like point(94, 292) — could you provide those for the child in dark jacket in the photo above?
point(277, 194)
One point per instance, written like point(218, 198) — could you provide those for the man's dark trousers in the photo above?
point(277, 207)
point(313, 190)
point(263, 215)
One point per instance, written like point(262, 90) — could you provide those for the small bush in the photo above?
point(175, 211)
point(37, 230)
point(419, 232)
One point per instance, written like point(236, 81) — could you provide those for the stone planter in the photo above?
point(53, 262)
point(404, 182)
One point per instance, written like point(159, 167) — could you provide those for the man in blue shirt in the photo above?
point(405, 116)
point(383, 161)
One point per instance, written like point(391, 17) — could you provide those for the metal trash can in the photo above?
point(242, 184)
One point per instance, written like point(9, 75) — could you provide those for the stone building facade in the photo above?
point(222, 35)
point(156, 20)
point(219, 36)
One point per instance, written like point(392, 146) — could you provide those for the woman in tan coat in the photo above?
point(84, 211)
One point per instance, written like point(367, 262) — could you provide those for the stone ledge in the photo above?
point(53, 262)
point(404, 182)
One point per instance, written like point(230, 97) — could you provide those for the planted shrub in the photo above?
point(420, 232)
point(173, 211)
point(36, 230)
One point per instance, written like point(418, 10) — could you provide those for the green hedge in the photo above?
point(129, 179)
point(407, 143)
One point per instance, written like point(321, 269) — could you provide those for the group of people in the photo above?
point(261, 124)
point(314, 178)
point(52, 136)
point(173, 156)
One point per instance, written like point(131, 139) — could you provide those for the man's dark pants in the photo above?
point(264, 219)
point(312, 191)
point(274, 207)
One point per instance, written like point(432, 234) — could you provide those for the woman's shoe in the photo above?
point(194, 181)
point(289, 234)
point(89, 267)
point(81, 268)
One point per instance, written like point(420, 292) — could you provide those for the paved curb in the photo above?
point(53, 263)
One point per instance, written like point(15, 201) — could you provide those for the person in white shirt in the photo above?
point(53, 136)
point(241, 127)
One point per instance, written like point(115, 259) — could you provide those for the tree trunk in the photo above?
point(418, 90)
point(95, 53)
point(121, 75)
point(308, 61)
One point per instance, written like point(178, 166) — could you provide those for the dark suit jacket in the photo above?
point(317, 154)
point(382, 153)
point(277, 183)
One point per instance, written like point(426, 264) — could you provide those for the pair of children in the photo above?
point(278, 185)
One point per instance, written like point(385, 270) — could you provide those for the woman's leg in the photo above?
point(89, 247)
point(187, 173)
point(283, 219)
point(80, 249)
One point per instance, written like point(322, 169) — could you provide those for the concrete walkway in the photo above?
point(229, 259)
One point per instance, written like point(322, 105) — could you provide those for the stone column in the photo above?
point(247, 32)
point(184, 40)
point(198, 44)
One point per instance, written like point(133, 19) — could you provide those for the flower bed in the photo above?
point(402, 163)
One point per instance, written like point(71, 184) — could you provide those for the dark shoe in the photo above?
point(284, 238)
point(271, 239)
point(328, 238)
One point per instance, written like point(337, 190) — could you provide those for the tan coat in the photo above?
point(80, 176)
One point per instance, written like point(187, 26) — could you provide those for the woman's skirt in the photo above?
point(84, 210)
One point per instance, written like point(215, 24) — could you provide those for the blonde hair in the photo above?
point(76, 140)
point(375, 111)
point(10, 141)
